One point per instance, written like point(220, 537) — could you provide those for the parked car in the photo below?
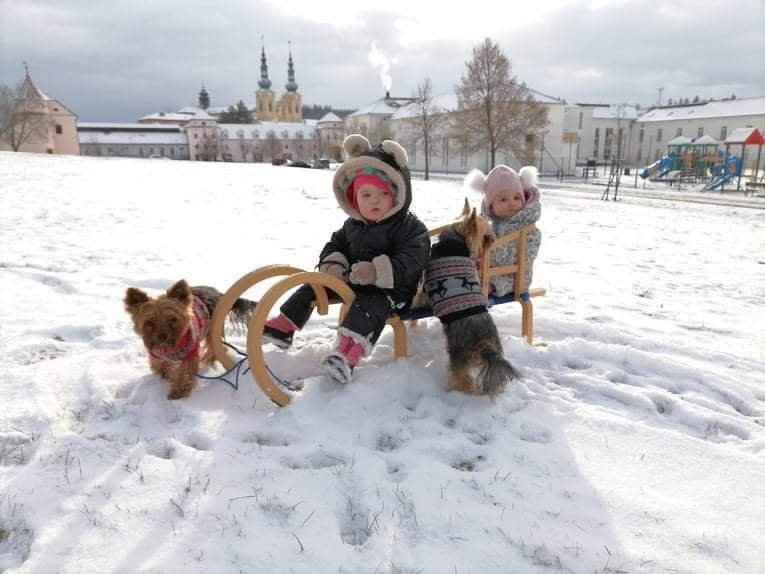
point(298, 163)
point(321, 163)
point(278, 161)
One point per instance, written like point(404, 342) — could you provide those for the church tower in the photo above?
point(204, 98)
point(264, 97)
point(291, 102)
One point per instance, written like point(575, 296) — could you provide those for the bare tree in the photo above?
point(617, 161)
point(429, 118)
point(495, 112)
point(20, 119)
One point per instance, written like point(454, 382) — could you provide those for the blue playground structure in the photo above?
point(659, 169)
point(724, 171)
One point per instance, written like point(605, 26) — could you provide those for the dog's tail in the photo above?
point(241, 312)
point(496, 371)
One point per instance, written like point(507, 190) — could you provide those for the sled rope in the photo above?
point(238, 372)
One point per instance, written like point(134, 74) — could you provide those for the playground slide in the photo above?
point(718, 181)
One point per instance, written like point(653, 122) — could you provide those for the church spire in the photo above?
point(291, 85)
point(204, 98)
point(29, 90)
point(264, 83)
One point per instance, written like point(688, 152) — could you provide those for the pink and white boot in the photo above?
point(339, 364)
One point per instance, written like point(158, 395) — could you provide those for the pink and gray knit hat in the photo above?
point(502, 178)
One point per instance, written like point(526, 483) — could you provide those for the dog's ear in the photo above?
point(465, 208)
point(472, 223)
point(133, 300)
point(180, 291)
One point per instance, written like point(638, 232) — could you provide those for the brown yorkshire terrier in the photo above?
point(454, 291)
point(175, 330)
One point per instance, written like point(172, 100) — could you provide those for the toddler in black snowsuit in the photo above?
point(380, 251)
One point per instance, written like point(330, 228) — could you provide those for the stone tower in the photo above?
point(264, 97)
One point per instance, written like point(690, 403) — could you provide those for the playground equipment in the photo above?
point(685, 159)
point(279, 390)
point(744, 137)
point(727, 168)
point(659, 169)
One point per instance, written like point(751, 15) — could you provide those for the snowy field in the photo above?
point(633, 444)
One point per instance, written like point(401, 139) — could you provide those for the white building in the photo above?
point(133, 140)
point(395, 118)
point(718, 119)
point(594, 129)
point(268, 141)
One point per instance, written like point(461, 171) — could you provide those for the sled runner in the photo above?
point(295, 277)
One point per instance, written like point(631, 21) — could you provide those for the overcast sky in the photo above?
point(117, 60)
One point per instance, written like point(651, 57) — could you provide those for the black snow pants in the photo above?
point(366, 317)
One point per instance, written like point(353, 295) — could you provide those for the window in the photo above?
point(581, 119)
point(608, 142)
point(700, 133)
point(658, 135)
point(679, 132)
point(596, 143)
point(59, 129)
point(641, 135)
point(639, 155)
point(723, 132)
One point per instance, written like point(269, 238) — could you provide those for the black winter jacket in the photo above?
point(402, 237)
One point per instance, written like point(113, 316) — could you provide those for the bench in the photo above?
point(752, 186)
point(293, 277)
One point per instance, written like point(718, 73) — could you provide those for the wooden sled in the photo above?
point(294, 277)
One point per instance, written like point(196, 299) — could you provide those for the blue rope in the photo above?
point(237, 368)
point(238, 372)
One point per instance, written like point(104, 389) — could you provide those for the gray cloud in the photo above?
point(119, 60)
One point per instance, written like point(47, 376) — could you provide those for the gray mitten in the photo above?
point(332, 268)
point(363, 273)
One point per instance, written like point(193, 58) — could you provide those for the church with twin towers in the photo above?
point(287, 108)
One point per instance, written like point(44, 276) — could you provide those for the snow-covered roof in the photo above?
point(282, 130)
point(124, 137)
point(745, 136)
point(612, 112)
point(679, 140)
point(329, 117)
point(380, 108)
point(92, 126)
point(30, 90)
point(191, 110)
point(705, 140)
point(165, 117)
point(445, 102)
point(715, 109)
point(181, 116)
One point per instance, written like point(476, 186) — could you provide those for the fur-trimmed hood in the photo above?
point(389, 157)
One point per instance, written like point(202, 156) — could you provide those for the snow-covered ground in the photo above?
point(634, 442)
